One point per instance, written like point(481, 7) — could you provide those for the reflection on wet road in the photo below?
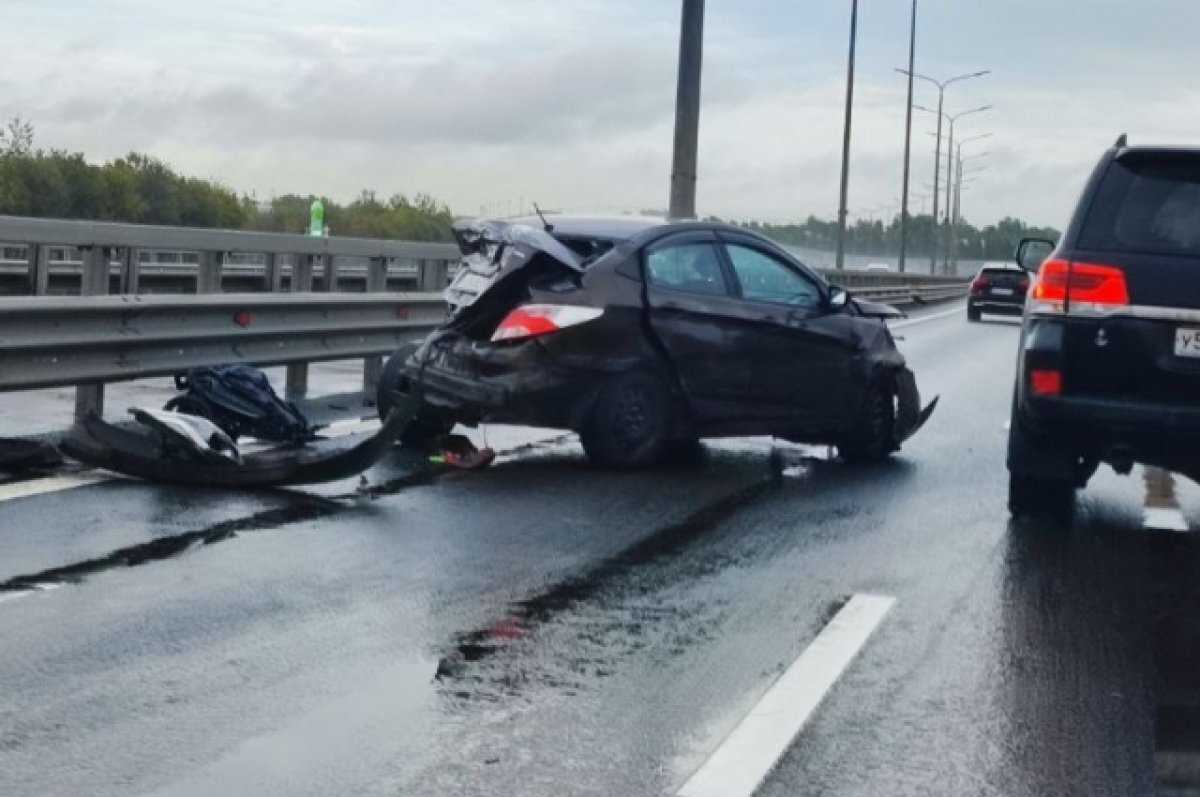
point(545, 628)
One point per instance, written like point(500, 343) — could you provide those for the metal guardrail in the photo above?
point(95, 338)
point(53, 341)
point(284, 261)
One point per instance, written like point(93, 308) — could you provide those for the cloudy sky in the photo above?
point(483, 103)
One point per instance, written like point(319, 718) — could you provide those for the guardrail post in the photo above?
point(377, 270)
point(131, 271)
point(93, 282)
point(297, 373)
point(39, 269)
point(208, 277)
point(329, 273)
point(272, 274)
point(432, 275)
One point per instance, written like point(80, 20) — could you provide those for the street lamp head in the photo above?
point(980, 109)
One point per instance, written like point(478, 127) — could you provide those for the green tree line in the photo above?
point(872, 237)
point(143, 190)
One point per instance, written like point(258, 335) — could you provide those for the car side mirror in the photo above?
point(838, 298)
point(1033, 252)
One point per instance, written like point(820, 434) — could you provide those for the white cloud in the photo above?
point(481, 102)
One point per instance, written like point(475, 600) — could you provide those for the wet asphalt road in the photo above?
point(544, 628)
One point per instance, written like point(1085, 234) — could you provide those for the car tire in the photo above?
point(429, 424)
point(973, 313)
point(874, 436)
point(629, 425)
point(1033, 497)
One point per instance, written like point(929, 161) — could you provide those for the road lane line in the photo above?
point(742, 762)
point(1164, 519)
point(50, 484)
point(912, 322)
point(1162, 512)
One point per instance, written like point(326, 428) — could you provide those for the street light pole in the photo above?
point(840, 261)
point(687, 111)
point(937, 155)
point(912, 59)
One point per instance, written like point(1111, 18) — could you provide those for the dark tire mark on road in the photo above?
point(473, 648)
point(304, 507)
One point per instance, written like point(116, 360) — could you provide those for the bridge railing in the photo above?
point(263, 298)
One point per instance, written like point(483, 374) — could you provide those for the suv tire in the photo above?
point(973, 313)
point(1032, 497)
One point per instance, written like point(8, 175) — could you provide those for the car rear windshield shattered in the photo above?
point(1148, 202)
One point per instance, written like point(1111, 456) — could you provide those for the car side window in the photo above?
point(765, 279)
point(694, 267)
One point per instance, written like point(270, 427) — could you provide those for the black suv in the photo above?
point(997, 289)
point(1109, 362)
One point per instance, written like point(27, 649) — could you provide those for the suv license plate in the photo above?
point(1187, 342)
point(1002, 291)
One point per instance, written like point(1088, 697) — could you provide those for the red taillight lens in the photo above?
point(1092, 283)
point(1023, 285)
point(979, 284)
point(533, 320)
point(1046, 381)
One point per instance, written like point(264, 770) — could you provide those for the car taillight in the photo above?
point(1022, 284)
point(979, 284)
point(533, 320)
point(1046, 381)
point(1084, 286)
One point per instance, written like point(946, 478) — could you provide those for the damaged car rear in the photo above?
point(643, 336)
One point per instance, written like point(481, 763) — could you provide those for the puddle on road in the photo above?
point(1115, 603)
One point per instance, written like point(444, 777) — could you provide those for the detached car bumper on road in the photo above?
point(644, 335)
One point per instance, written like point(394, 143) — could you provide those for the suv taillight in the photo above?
point(1082, 286)
point(979, 284)
point(532, 320)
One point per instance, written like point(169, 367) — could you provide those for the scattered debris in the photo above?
point(240, 400)
point(21, 456)
point(170, 448)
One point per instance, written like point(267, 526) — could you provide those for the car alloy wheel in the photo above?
point(629, 422)
point(874, 437)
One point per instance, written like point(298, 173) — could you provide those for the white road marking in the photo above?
point(50, 484)
point(740, 764)
point(1164, 519)
point(36, 588)
point(912, 322)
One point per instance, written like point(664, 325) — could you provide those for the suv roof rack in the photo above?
point(1122, 141)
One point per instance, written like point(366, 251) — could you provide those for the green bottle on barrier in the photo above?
point(316, 219)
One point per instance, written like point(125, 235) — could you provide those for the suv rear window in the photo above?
point(1147, 202)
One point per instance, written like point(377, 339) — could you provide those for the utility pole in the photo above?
point(687, 111)
point(912, 59)
point(840, 262)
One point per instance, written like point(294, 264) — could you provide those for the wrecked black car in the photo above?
point(643, 336)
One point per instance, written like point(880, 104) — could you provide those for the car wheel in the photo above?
point(630, 420)
point(429, 424)
point(874, 437)
point(973, 313)
point(1033, 497)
